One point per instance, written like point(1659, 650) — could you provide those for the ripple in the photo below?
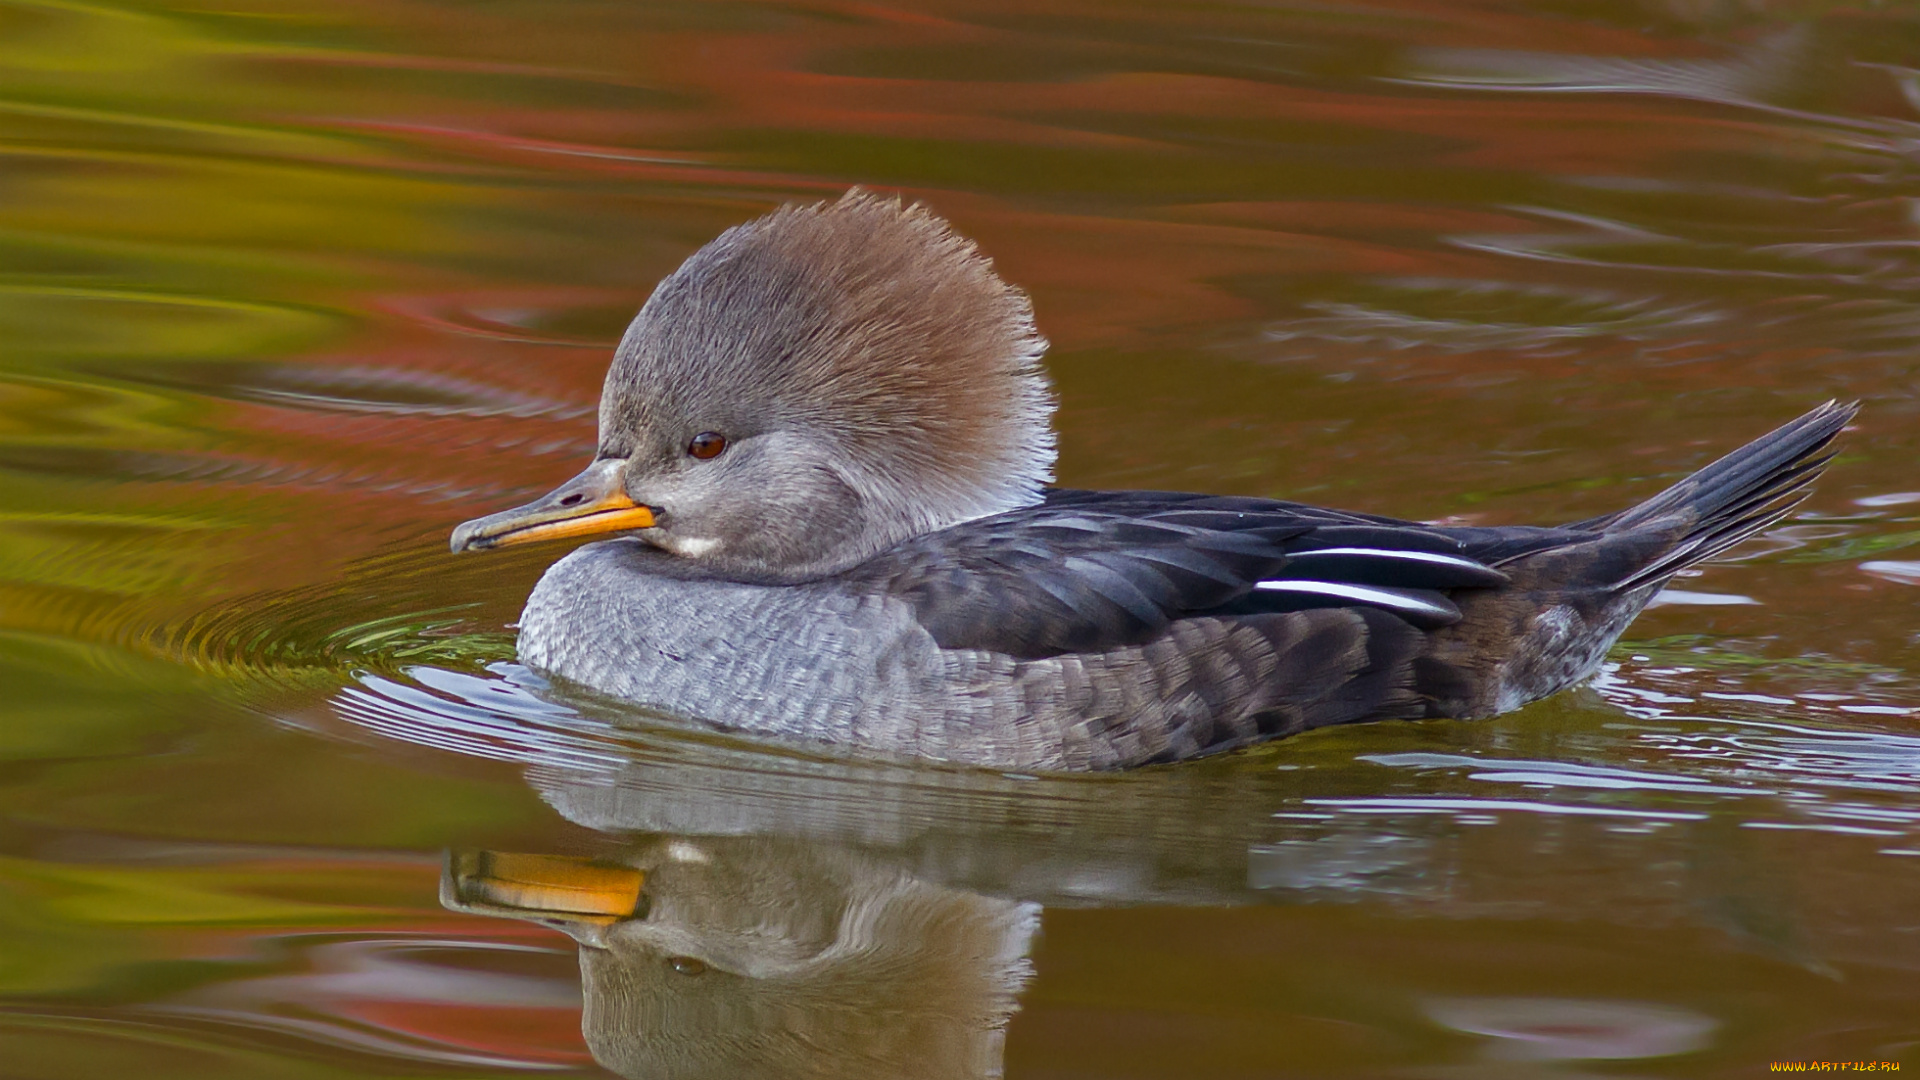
point(321, 634)
point(572, 318)
point(1858, 547)
point(1812, 758)
point(501, 718)
point(1896, 498)
point(361, 388)
point(1751, 78)
point(1818, 774)
point(73, 322)
point(1506, 317)
point(1537, 773)
point(1899, 572)
point(1481, 806)
point(1688, 597)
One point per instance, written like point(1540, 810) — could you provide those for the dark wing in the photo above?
point(1087, 572)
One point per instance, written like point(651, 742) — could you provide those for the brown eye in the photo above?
point(707, 445)
point(686, 965)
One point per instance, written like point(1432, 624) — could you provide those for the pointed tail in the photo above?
point(1735, 497)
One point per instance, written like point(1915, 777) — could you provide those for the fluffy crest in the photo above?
point(870, 323)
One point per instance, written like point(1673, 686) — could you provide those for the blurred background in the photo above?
point(288, 289)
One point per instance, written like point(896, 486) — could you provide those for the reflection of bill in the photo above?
point(747, 957)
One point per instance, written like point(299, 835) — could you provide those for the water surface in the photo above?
point(288, 289)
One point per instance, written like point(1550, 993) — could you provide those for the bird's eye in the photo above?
point(686, 965)
point(707, 445)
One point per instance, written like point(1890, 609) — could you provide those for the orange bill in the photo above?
point(526, 886)
point(593, 502)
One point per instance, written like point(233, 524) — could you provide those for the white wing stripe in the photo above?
point(1390, 599)
point(1428, 557)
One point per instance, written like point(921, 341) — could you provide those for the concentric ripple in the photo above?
point(385, 614)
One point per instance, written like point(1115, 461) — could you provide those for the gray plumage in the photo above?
point(872, 561)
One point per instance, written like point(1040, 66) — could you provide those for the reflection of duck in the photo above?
point(780, 915)
point(759, 957)
point(830, 433)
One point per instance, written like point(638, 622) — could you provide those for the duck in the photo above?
point(823, 495)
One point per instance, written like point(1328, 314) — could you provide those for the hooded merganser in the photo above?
point(829, 434)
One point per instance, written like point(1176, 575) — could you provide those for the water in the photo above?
point(288, 289)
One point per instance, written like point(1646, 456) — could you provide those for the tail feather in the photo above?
point(1735, 497)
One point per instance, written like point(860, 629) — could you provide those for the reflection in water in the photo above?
point(762, 915)
point(750, 957)
point(731, 934)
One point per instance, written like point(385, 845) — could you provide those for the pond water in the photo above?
point(288, 289)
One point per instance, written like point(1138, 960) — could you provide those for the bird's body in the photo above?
point(934, 606)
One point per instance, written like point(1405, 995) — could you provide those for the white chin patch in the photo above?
point(693, 547)
point(681, 851)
